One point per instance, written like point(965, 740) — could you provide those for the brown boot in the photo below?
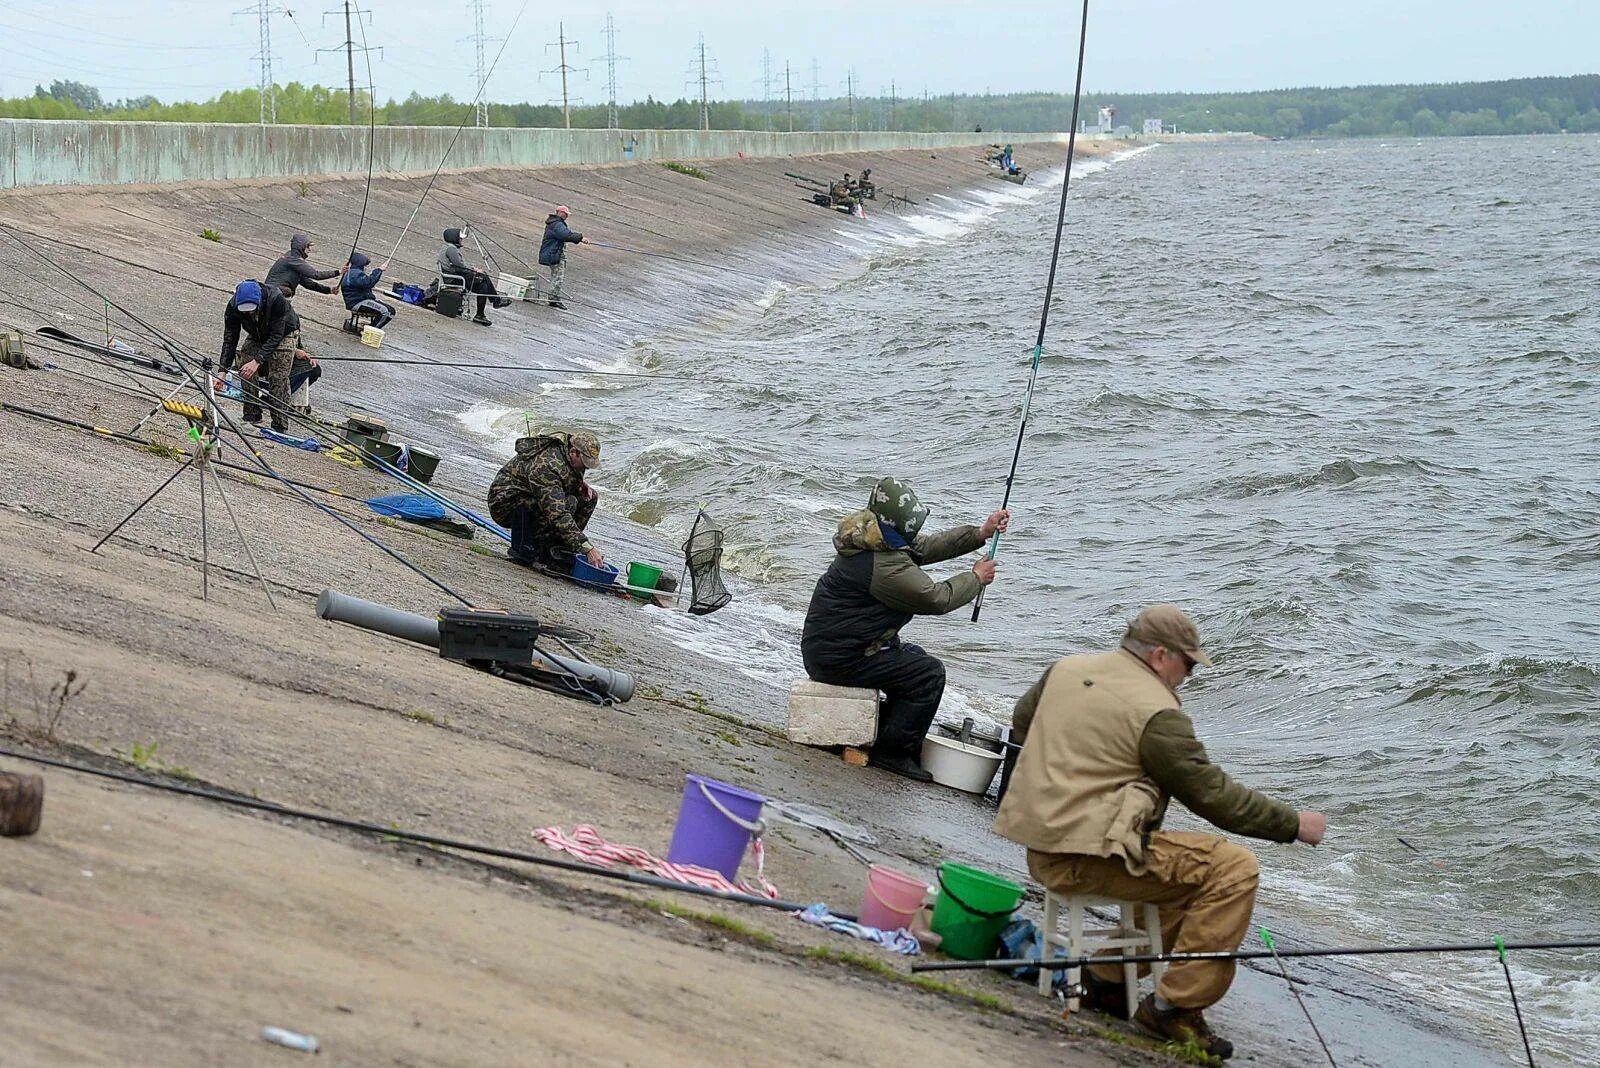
point(1181, 1025)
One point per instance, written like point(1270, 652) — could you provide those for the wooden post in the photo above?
point(21, 804)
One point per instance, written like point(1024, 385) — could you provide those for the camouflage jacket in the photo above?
point(540, 477)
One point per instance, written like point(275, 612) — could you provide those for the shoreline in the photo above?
point(439, 745)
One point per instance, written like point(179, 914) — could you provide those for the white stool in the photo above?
point(1128, 937)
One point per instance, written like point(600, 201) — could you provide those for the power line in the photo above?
point(349, 47)
point(563, 68)
point(707, 76)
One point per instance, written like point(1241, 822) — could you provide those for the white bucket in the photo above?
point(512, 286)
point(964, 767)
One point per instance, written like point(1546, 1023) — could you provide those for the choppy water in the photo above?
point(1335, 399)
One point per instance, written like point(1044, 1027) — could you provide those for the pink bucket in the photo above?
point(892, 900)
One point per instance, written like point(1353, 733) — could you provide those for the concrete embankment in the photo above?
point(195, 928)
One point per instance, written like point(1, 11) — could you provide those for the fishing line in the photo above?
point(457, 136)
point(1049, 289)
point(1500, 948)
point(1056, 964)
point(1266, 937)
point(579, 372)
point(372, 133)
point(416, 837)
point(660, 255)
point(173, 349)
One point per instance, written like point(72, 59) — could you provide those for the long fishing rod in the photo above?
point(577, 371)
point(1058, 963)
point(175, 351)
point(660, 255)
point(457, 135)
point(1049, 289)
point(417, 837)
point(372, 135)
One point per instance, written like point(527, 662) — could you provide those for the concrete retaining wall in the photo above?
point(36, 152)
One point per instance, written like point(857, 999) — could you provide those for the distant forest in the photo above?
point(1521, 106)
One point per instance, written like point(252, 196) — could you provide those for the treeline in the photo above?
point(1521, 106)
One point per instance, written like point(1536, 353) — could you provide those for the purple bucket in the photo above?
point(715, 822)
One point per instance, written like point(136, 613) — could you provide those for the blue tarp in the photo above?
point(412, 506)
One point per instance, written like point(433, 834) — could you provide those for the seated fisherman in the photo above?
point(293, 269)
point(839, 193)
point(867, 187)
point(872, 589)
point(358, 284)
point(541, 495)
point(452, 262)
point(1105, 746)
point(272, 336)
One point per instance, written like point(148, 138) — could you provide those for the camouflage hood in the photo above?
point(858, 533)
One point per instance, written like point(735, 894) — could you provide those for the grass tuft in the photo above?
point(684, 168)
point(210, 234)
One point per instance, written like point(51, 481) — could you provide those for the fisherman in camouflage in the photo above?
point(541, 495)
point(874, 587)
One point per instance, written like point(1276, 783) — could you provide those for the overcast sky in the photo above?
point(195, 48)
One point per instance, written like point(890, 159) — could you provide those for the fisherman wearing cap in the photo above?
point(1105, 746)
point(272, 342)
point(873, 588)
point(541, 495)
point(553, 250)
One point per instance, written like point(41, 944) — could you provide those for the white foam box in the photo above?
point(820, 714)
point(512, 286)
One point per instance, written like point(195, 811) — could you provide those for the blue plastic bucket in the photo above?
point(589, 575)
point(715, 824)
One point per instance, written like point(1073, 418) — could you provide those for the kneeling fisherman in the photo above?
point(873, 588)
point(541, 495)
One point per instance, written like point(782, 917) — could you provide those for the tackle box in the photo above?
point(487, 634)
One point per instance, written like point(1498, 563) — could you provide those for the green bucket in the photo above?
point(643, 575)
point(972, 909)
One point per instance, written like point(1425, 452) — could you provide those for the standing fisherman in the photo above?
point(293, 269)
point(1105, 746)
point(541, 495)
point(874, 587)
point(553, 250)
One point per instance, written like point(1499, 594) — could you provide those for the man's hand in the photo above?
point(384, 266)
point(984, 569)
point(587, 491)
point(1000, 521)
point(1313, 825)
point(249, 369)
point(596, 558)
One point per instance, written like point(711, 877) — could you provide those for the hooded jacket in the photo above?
point(872, 590)
point(450, 260)
point(272, 321)
point(556, 235)
point(541, 478)
point(358, 282)
point(293, 270)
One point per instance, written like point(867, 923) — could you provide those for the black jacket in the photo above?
point(293, 270)
point(267, 326)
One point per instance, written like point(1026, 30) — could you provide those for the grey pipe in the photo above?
point(369, 615)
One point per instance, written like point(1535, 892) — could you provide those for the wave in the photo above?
point(1335, 473)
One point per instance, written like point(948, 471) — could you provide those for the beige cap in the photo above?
point(1170, 627)
point(587, 444)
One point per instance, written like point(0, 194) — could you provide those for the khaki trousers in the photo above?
point(1205, 888)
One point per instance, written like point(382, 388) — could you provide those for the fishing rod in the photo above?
point(1049, 289)
point(660, 255)
point(175, 351)
point(417, 837)
point(463, 125)
point(578, 371)
point(1056, 964)
point(372, 135)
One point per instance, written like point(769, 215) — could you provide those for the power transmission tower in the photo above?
point(892, 103)
point(788, 95)
point(766, 85)
point(611, 58)
point(703, 72)
point(564, 68)
point(264, 11)
point(480, 47)
point(349, 48)
point(816, 96)
point(850, 95)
